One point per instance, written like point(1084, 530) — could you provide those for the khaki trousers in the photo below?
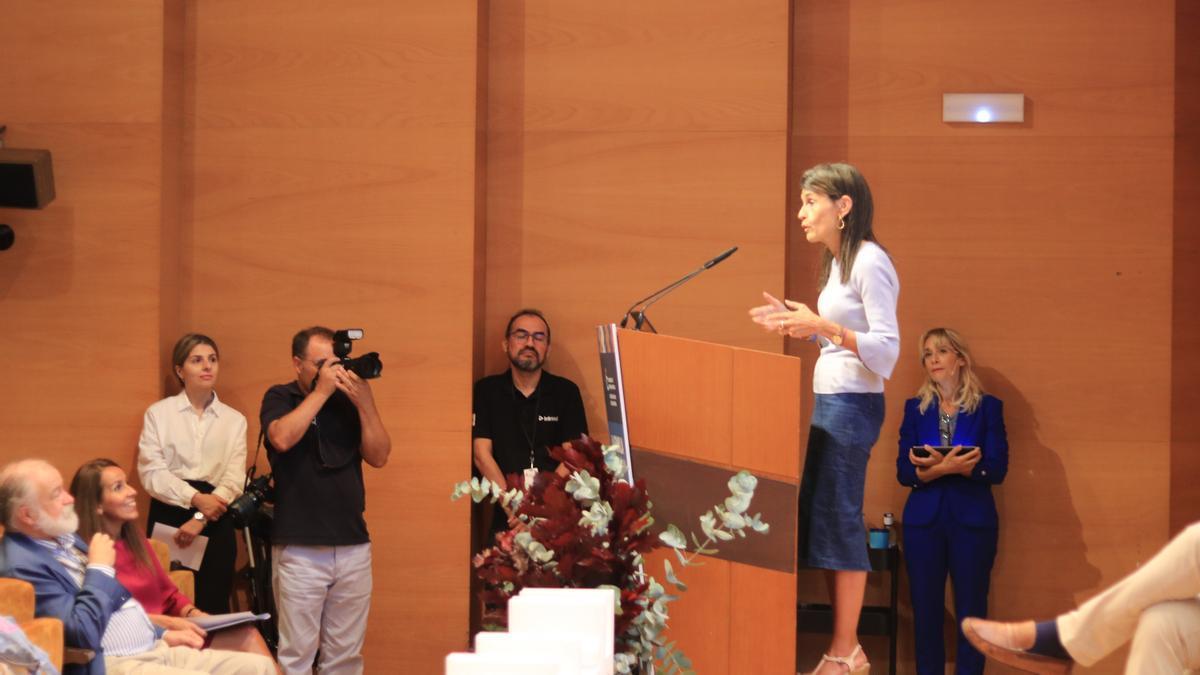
point(185, 661)
point(1156, 605)
point(323, 595)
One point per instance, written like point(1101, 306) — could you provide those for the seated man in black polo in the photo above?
point(521, 412)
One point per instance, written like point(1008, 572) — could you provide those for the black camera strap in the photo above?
point(262, 433)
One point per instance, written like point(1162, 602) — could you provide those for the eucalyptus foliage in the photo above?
point(591, 529)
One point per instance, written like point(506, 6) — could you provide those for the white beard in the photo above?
point(66, 523)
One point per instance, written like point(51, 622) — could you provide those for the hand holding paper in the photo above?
point(190, 556)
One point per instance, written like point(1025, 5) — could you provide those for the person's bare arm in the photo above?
point(376, 444)
point(481, 448)
point(286, 431)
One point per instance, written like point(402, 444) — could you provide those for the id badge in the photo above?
point(530, 474)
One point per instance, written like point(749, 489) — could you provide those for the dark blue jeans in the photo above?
point(832, 534)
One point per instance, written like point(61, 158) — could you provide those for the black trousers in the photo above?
point(214, 579)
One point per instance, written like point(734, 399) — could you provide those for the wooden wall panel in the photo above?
point(1020, 237)
point(627, 144)
point(689, 417)
point(246, 171)
point(765, 415)
point(701, 619)
point(728, 598)
point(1185, 289)
point(79, 297)
point(331, 156)
point(765, 645)
point(670, 66)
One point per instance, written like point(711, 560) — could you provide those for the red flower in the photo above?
point(581, 559)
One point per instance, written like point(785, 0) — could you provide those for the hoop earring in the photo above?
point(842, 223)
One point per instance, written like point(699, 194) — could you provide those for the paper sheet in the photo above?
point(189, 557)
point(219, 621)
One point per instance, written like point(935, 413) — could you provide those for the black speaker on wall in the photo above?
point(26, 178)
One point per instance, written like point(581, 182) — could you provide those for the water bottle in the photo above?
point(889, 524)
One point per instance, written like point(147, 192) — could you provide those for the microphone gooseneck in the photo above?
point(639, 315)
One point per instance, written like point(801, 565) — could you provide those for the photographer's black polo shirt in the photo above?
point(550, 416)
point(317, 504)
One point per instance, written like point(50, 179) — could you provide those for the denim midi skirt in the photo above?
point(832, 534)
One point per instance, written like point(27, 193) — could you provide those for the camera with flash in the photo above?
point(368, 366)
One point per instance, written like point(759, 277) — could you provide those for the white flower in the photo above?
point(597, 517)
point(533, 547)
point(673, 537)
point(583, 487)
point(743, 483)
point(738, 503)
point(614, 462)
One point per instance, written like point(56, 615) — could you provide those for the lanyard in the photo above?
point(537, 408)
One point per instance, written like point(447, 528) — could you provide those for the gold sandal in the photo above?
point(847, 661)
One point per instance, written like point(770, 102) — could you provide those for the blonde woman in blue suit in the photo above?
point(950, 523)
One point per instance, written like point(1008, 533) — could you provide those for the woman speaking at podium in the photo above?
point(855, 326)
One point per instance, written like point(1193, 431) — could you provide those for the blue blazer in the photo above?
point(84, 611)
point(968, 498)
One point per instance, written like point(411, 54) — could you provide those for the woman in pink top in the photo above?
point(106, 502)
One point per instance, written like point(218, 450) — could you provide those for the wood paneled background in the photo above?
point(1185, 286)
point(628, 144)
point(424, 169)
point(1047, 244)
point(79, 300)
point(297, 163)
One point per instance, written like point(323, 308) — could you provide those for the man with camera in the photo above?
point(319, 431)
point(521, 412)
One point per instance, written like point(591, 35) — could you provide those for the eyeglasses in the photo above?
point(523, 335)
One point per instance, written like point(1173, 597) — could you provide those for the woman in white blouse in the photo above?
point(192, 462)
point(855, 324)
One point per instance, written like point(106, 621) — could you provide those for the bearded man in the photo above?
point(76, 582)
point(521, 412)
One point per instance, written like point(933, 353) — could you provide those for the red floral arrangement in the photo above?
point(589, 529)
point(584, 555)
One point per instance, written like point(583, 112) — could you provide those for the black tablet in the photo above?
point(920, 451)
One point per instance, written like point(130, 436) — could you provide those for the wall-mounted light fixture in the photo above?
point(26, 182)
point(983, 108)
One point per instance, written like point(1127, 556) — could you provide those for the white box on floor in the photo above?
point(463, 663)
point(590, 612)
point(566, 647)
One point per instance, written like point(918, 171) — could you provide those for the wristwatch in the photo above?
point(837, 337)
point(198, 516)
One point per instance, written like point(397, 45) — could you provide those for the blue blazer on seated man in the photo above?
point(84, 610)
point(78, 585)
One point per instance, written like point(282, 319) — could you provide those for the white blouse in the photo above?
point(867, 306)
point(178, 445)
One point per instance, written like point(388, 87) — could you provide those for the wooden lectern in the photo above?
point(689, 415)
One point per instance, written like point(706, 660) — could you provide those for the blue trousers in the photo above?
point(966, 554)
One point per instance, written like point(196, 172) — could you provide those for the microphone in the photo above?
point(717, 260)
point(639, 316)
